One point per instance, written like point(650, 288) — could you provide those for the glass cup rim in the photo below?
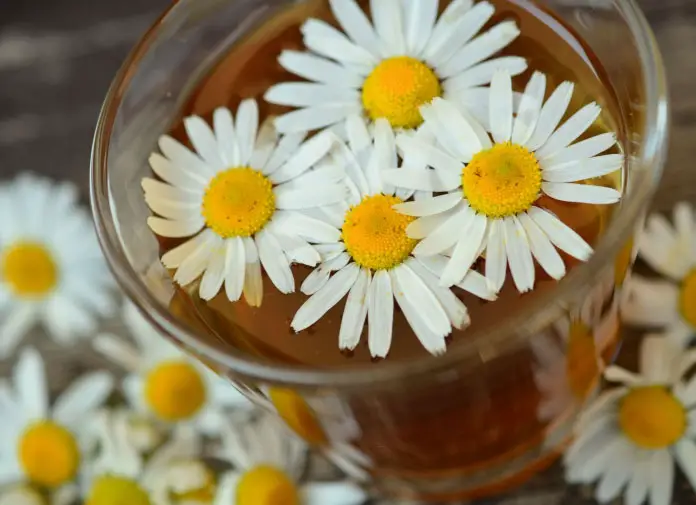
point(497, 338)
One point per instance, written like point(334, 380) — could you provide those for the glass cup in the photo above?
point(488, 414)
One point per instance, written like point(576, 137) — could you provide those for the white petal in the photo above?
point(247, 125)
point(306, 157)
point(309, 228)
point(214, 275)
point(551, 114)
point(500, 120)
point(451, 129)
point(15, 326)
point(265, 145)
point(581, 193)
point(359, 137)
point(194, 265)
point(445, 235)
point(175, 257)
point(562, 236)
point(431, 206)
point(235, 268)
point(418, 294)
point(320, 275)
point(426, 154)
point(356, 25)
point(314, 118)
point(228, 145)
point(174, 174)
point(274, 261)
point(328, 41)
point(530, 108)
point(580, 150)
point(419, 24)
point(432, 340)
point(669, 253)
point(324, 299)
point(661, 478)
point(287, 146)
point(426, 225)
point(685, 452)
point(355, 312)
point(542, 248)
point(658, 358)
point(82, 397)
point(334, 493)
point(496, 254)
point(29, 377)
point(482, 47)
point(519, 254)
point(637, 489)
point(307, 94)
point(296, 249)
point(380, 314)
point(204, 141)
point(617, 474)
point(615, 373)
point(383, 155)
point(289, 198)
point(176, 229)
point(164, 191)
point(386, 16)
point(117, 351)
point(466, 251)
point(575, 126)
point(315, 68)
point(325, 173)
point(584, 169)
point(176, 211)
point(253, 283)
point(182, 157)
point(483, 73)
point(424, 180)
point(455, 309)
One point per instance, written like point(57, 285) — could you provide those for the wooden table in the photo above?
point(57, 59)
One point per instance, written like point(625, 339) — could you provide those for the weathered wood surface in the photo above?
point(58, 57)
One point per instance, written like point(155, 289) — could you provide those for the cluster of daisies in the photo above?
point(155, 427)
point(408, 156)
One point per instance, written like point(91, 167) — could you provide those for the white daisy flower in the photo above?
point(388, 67)
point(670, 302)
point(373, 263)
point(25, 494)
point(493, 182)
point(166, 383)
point(629, 438)
point(174, 474)
point(51, 268)
point(269, 461)
point(43, 443)
point(240, 197)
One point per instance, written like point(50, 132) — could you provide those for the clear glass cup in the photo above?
point(474, 422)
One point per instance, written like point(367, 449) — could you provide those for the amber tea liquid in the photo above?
point(474, 423)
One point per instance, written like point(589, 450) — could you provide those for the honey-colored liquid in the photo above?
point(469, 423)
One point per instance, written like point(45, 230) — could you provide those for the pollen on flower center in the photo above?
point(29, 269)
point(652, 417)
point(238, 202)
point(266, 485)
point(375, 234)
point(48, 454)
point(396, 88)
point(113, 490)
point(175, 390)
point(582, 368)
point(504, 180)
point(687, 298)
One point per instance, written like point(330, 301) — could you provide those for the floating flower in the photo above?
point(43, 443)
point(164, 382)
point(268, 462)
point(373, 260)
point(629, 438)
point(245, 190)
point(671, 302)
point(51, 267)
point(174, 473)
point(494, 183)
point(391, 66)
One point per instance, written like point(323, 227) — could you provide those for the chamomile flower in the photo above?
point(240, 197)
point(373, 263)
point(629, 438)
point(388, 67)
point(670, 302)
point(43, 443)
point(173, 474)
point(492, 183)
point(51, 268)
point(164, 382)
point(269, 462)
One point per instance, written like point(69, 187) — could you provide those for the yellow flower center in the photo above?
point(204, 494)
point(48, 454)
point(687, 298)
point(582, 368)
point(297, 414)
point(504, 180)
point(238, 202)
point(175, 390)
point(266, 485)
point(396, 88)
point(29, 269)
point(112, 490)
point(375, 234)
point(652, 417)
